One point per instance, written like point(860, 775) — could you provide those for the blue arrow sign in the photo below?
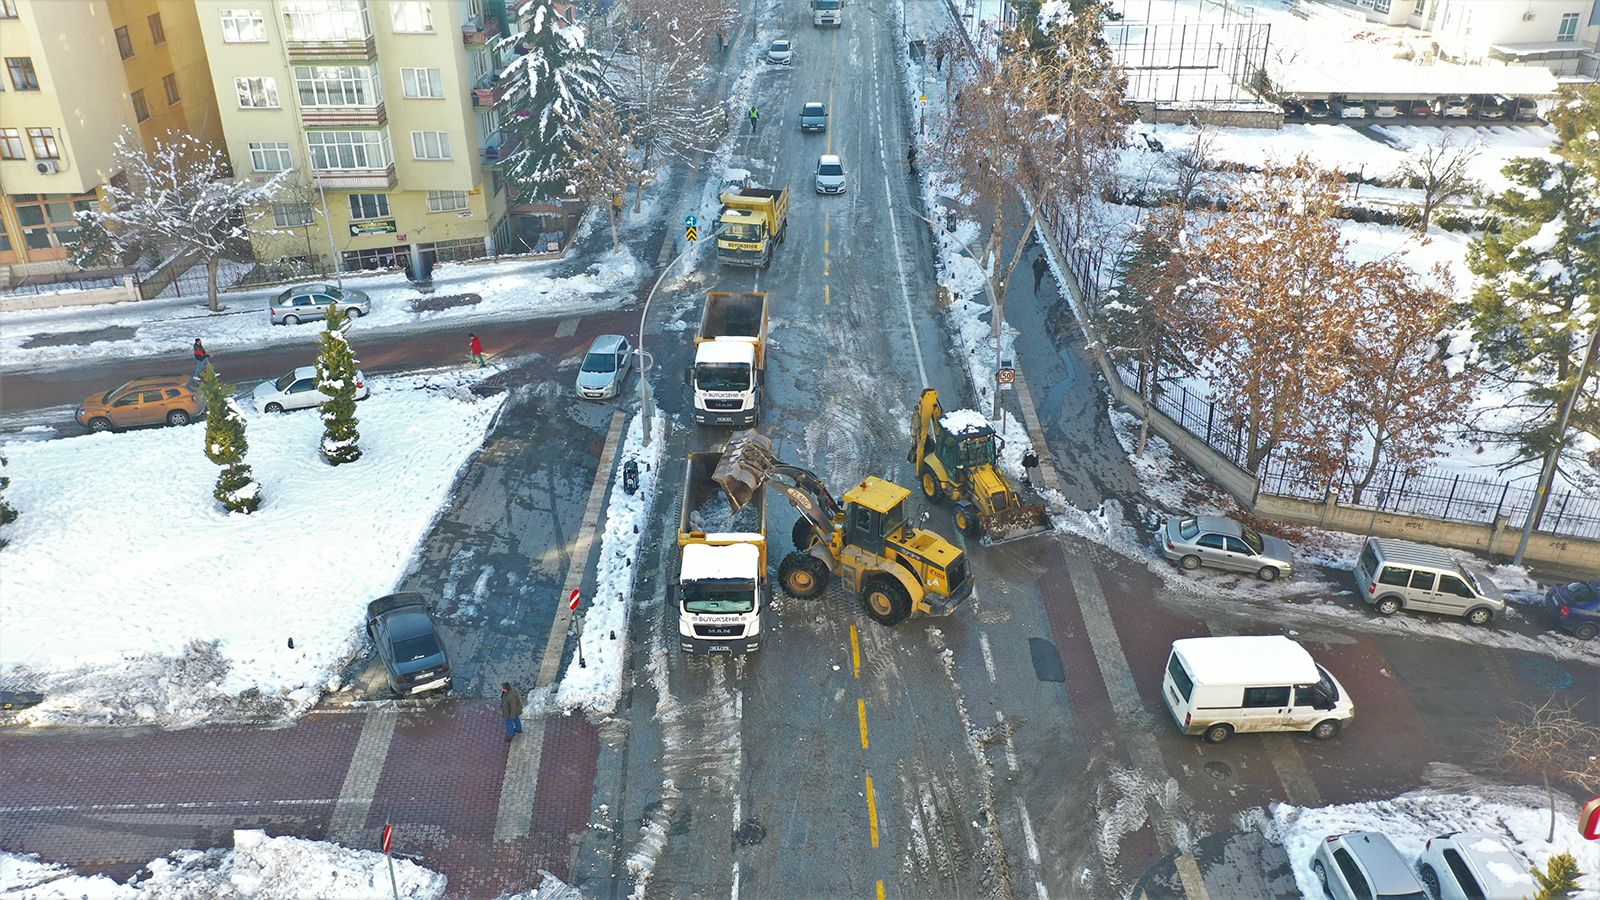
point(690, 221)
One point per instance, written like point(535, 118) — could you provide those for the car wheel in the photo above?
point(177, 417)
point(274, 407)
point(99, 423)
point(1322, 876)
point(1481, 615)
point(803, 575)
point(291, 320)
point(353, 312)
point(1216, 734)
point(886, 600)
point(1190, 562)
point(1430, 879)
point(1388, 606)
point(1586, 631)
point(1268, 573)
point(1325, 729)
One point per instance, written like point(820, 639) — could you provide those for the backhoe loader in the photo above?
point(955, 457)
point(895, 569)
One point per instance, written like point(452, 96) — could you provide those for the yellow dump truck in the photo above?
point(751, 226)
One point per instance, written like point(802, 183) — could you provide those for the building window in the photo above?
point(369, 206)
point(1421, 5)
point(11, 144)
point(446, 201)
point(349, 149)
point(1380, 6)
point(430, 144)
point(49, 220)
point(243, 26)
point(256, 93)
point(8, 9)
point(1568, 29)
point(422, 83)
point(326, 20)
point(291, 215)
point(337, 86)
point(270, 156)
point(411, 16)
point(23, 78)
point(124, 43)
point(44, 143)
point(141, 109)
point(170, 83)
point(158, 35)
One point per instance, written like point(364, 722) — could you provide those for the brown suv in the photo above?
point(142, 401)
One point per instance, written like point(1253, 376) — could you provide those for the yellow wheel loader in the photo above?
point(896, 570)
point(955, 455)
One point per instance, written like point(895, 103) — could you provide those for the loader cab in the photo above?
point(970, 449)
point(874, 511)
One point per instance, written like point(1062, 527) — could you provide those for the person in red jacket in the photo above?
point(476, 347)
point(201, 359)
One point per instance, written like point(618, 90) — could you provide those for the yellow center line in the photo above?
point(872, 812)
point(825, 267)
point(861, 711)
point(827, 298)
point(855, 650)
point(824, 239)
point(880, 889)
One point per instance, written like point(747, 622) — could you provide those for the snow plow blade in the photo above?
point(746, 463)
point(1014, 524)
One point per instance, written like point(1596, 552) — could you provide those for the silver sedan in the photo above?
point(298, 390)
point(1195, 541)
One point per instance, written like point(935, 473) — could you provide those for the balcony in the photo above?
point(476, 34)
point(382, 179)
point(332, 51)
point(487, 92)
point(332, 116)
point(500, 147)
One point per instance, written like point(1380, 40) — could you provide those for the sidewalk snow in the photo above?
point(1517, 815)
point(257, 867)
point(597, 686)
point(131, 597)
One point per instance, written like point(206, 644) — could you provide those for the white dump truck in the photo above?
point(730, 356)
point(722, 594)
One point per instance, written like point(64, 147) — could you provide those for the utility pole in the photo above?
point(647, 404)
point(1548, 473)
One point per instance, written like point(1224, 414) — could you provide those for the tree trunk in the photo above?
point(1360, 484)
point(212, 264)
point(1550, 797)
point(611, 212)
point(1427, 211)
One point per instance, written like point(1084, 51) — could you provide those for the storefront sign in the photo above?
point(384, 226)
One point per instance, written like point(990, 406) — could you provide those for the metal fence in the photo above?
point(1189, 62)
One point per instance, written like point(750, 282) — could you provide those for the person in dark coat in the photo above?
point(201, 359)
point(1040, 266)
point(511, 709)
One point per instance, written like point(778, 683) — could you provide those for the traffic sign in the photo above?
point(690, 221)
point(1006, 376)
point(1589, 820)
point(573, 599)
point(923, 100)
point(388, 837)
point(691, 234)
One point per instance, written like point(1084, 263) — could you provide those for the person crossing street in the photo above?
point(201, 359)
point(475, 348)
point(754, 115)
point(511, 709)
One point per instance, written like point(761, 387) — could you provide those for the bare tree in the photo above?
point(1443, 173)
point(1549, 741)
point(603, 166)
point(657, 81)
point(181, 198)
point(1191, 166)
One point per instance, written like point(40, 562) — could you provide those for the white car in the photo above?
point(1470, 864)
point(1352, 109)
point(298, 390)
point(781, 52)
point(830, 174)
point(604, 369)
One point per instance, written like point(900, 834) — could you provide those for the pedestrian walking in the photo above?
point(201, 359)
point(1040, 266)
point(754, 115)
point(475, 346)
point(511, 709)
point(911, 154)
point(938, 59)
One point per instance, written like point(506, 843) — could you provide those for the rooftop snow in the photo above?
point(702, 562)
point(956, 421)
point(735, 351)
point(1246, 660)
point(1376, 80)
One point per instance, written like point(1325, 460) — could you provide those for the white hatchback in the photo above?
point(298, 390)
point(830, 174)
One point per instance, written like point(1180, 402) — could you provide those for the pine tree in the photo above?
point(556, 80)
point(236, 489)
point(7, 513)
point(1559, 879)
point(336, 379)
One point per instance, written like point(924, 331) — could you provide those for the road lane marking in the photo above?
point(514, 817)
point(827, 296)
point(1033, 849)
point(568, 327)
point(861, 712)
point(348, 825)
point(825, 236)
point(899, 258)
point(880, 889)
point(855, 650)
point(872, 812)
point(1194, 885)
point(988, 655)
point(825, 266)
point(1010, 746)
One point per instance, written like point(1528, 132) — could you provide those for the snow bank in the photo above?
point(257, 866)
point(130, 596)
point(1411, 819)
point(597, 686)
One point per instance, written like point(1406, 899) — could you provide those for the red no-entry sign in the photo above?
point(388, 837)
point(573, 600)
point(1589, 820)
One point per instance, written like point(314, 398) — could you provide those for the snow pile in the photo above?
point(597, 686)
point(257, 866)
point(1411, 819)
point(956, 421)
point(175, 612)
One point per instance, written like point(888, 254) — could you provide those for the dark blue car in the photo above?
point(402, 629)
point(1575, 608)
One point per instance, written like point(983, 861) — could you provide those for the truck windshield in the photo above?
point(722, 377)
point(824, 4)
point(742, 231)
point(708, 599)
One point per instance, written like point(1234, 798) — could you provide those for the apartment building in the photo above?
point(1561, 35)
point(384, 111)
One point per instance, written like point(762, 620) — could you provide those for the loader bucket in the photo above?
point(1014, 524)
point(744, 467)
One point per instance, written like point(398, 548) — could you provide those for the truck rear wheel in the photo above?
point(886, 601)
point(803, 575)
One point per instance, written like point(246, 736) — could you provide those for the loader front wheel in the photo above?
point(930, 486)
point(886, 601)
point(967, 521)
point(803, 575)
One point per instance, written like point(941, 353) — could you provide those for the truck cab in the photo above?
point(726, 384)
point(752, 224)
point(827, 13)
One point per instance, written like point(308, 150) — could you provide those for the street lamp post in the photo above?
point(646, 400)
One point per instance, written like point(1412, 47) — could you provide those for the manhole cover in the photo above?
point(1219, 770)
point(750, 833)
point(678, 815)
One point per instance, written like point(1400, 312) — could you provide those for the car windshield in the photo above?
point(412, 649)
point(1327, 686)
point(830, 169)
point(600, 362)
point(705, 599)
point(825, 4)
point(283, 383)
point(742, 231)
point(1253, 538)
point(1188, 528)
point(722, 376)
point(812, 109)
point(780, 46)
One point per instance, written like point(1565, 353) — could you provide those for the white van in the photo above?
point(1216, 686)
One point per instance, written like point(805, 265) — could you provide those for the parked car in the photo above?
point(142, 401)
point(604, 369)
point(1575, 608)
point(1495, 107)
point(1453, 107)
point(1195, 541)
point(1293, 109)
point(1386, 109)
point(402, 630)
point(1418, 108)
point(1218, 686)
point(781, 52)
point(830, 174)
point(298, 390)
point(1472, 865)
point(1318, 109)
point(1363, 865)
point(1394, 575)
point(1527, 109)
point(814, 117)
point(309, 302)
point(1352, 109)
